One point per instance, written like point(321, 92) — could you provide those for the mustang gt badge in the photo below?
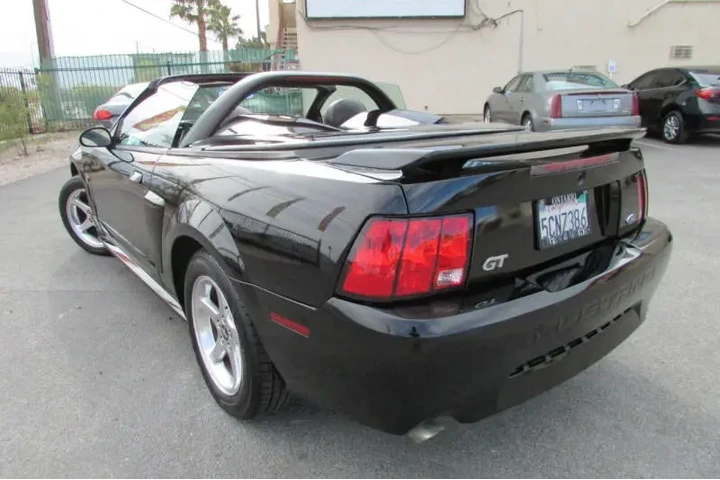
point(493, 263)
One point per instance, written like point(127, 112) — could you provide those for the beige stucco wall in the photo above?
point(448, 67)
point(281, 15)
point(271, 30)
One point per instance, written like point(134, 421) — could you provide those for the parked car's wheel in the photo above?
point(527, 122)
point(673, 128)
point(487, 114)
point(77, 216)
point(233, 361)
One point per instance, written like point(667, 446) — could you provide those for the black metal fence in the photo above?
point(20, 107)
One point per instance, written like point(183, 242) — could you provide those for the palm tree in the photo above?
point(253, 42)
point(194, 11)
point(223, 23)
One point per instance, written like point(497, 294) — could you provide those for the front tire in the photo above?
point(487, 114)
point(77, 217)
point(237, 370)
point(673, 128)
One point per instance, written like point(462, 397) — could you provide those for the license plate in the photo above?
point(596, 105)
point(562, 218)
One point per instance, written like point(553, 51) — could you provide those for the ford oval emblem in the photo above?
point(630, 219)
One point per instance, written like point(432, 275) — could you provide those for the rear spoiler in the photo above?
point(413, 161)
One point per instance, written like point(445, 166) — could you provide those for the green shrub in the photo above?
point(14, 116)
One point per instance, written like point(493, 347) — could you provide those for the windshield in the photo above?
point(572, 80)
point(707, 79)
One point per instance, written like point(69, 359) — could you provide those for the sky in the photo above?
point(96, 27)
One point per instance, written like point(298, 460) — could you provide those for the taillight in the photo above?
point(642, 195)
point(453, 253)
point(408, 257)
point(102, 115)
point(635, 104)
point(419, 256)
point(374, 265)
point(707, 93)
point(556, 107)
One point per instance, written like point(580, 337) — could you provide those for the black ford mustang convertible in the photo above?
point(381, 263)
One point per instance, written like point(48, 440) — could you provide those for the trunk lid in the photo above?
point(546, 209)
point(536, 198)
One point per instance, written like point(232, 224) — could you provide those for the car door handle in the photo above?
point(136, 177)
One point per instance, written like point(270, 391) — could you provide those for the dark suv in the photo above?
point(679, 102)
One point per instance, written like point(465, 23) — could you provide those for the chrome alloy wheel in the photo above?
point(671, 129)
point(216, 335)
point(487, 116)
point(80, 218)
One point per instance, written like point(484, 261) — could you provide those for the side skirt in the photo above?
point(149, 281)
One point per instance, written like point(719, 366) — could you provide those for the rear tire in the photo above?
point(527, 122)
point(242, 379)
point(78, 218)
point(673, 128)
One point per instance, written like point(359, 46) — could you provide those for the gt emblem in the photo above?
point(492, 263)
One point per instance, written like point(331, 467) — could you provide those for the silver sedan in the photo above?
point(562, 99)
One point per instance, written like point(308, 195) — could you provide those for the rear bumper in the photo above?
point(391, 372)
point(701, 124)
point(544, 124)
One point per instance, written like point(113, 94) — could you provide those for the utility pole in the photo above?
point(46, 51)
point(44, 33)
point(257, 19)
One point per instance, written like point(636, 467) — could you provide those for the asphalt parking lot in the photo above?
point(98, 378)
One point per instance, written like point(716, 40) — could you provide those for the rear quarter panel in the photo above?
point(539, 104)
point(687, 101)
point(291, 222)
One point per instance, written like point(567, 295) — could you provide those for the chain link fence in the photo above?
point(64, 94)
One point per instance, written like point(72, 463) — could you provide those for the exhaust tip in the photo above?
point(426, 430)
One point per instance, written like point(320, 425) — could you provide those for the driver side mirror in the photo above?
point(96, 137)
point(498, 90)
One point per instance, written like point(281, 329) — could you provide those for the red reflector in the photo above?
point(556, 107)
point(635, 104)
point(373, 268)
point(102, 115)
point(642, 196)
point(406, 257)
point(453, 252)
point(290, 324)
point(419, 254)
